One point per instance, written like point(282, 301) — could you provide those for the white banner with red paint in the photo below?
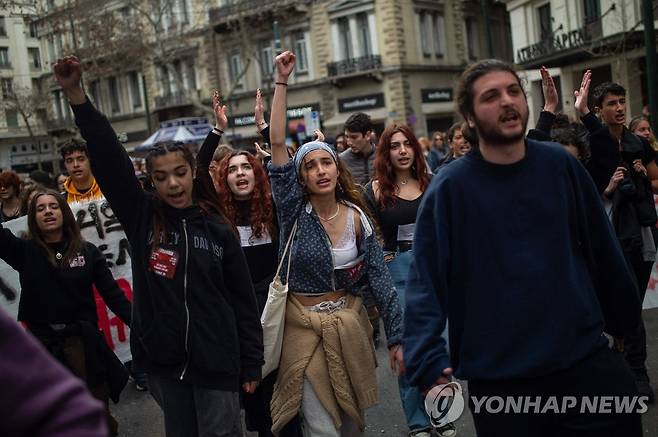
point(100, 227)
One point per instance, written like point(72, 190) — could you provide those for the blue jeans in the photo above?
point(413, 401)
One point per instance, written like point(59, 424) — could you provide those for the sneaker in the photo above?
point(423, 433)
point(448, 430)
point(141, 381)
point(140, 387)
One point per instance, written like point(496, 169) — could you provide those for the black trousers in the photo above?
point(603, 373)
point(635, 346)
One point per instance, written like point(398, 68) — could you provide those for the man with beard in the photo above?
point(512, 245)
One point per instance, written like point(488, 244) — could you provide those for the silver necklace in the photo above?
point(404, 181)
point(328, 219)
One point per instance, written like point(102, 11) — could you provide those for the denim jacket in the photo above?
point(312, 266)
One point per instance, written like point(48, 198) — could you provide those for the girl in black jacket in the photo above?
point(196, 330)
point(57, 271)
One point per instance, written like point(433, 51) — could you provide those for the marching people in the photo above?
point(438, 151)
point(327, 367)
point(57, 271)
point(359, 154)
point(623, 165)
point(196, 331)
point(527, 269)
point(81, 185)
point(394, 196)
point(10, 196)
point(458, 144)
point(60, 181)
point(641, 127)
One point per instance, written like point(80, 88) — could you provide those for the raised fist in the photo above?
point(68, 73)
point(285, 63)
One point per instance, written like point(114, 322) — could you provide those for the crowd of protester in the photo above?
point(532, 245)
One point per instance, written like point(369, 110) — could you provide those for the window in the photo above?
point(472, 38)
point(57, 102)
point(115, 105)
point(31, 27)
point(190, 76)
point(301, 65)
point(135, 89)
point(545, 26)
point(7, 86)
point(266, 57)
point(235, 69)
point(439, 35)
point(35, 58)
point(12, 117)
point(592, 9)
point(96, 94)
point(36, 86)
point(165, 83)
point(4, 57)
point(425, 33)
point(184, 14)
point(3, 29)
point(345, 38)
point(364, 34)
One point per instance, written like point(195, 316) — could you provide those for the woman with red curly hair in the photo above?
point(10, 201)
point(244, 190)
point(401, 177)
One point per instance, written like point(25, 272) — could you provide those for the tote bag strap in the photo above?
point(288, 249)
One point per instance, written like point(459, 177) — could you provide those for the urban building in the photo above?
point(569, 37)
point(397, 61)
point(24, 144)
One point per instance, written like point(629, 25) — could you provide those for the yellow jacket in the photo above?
point(73, 195)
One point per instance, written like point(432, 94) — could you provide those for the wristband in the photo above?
point(281, 83)
point(219, 131)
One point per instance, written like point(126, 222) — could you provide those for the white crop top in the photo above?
point(345, 252)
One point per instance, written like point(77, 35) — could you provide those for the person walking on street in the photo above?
point(196, 330)
point(394, 196)
point(514, 248)
point(81, 185)
point(10, 196)
point(327, 367)
point(58, 271)
point(623, 165)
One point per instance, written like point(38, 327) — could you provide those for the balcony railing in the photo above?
point(240, 9)
point(354, 65)
point(171, 100)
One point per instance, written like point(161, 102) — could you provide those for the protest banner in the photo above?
point(99, 226)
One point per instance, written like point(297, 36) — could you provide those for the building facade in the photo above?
point(396, 61)
point(572, 36)
point(23, 139)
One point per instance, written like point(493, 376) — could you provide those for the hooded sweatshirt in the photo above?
point(194, 310)
point(73, 195)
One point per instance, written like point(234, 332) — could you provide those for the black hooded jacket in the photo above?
point(195, 316)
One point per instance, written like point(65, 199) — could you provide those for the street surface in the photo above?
point(139, 415)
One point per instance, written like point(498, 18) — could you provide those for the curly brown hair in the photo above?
point(261, 215)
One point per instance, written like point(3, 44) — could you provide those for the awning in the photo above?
point(184, 134)
point(379, 114)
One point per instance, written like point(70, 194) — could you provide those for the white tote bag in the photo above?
point(274, 315)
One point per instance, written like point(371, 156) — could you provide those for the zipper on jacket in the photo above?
point(187, 309)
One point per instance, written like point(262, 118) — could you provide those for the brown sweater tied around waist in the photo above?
point(335, 353)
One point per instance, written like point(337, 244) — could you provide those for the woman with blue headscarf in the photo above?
point(327, 367)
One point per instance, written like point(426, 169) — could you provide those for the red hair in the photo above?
point(9, 178)
point(261, 215)
point(384, 171)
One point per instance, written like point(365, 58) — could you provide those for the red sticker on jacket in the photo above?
point(163, 262)
point(355, 271)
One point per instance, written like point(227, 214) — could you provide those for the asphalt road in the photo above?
point(139, 415)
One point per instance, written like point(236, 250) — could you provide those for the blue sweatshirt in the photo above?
point(524, 263)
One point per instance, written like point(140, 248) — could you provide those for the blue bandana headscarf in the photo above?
point(310, 147)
